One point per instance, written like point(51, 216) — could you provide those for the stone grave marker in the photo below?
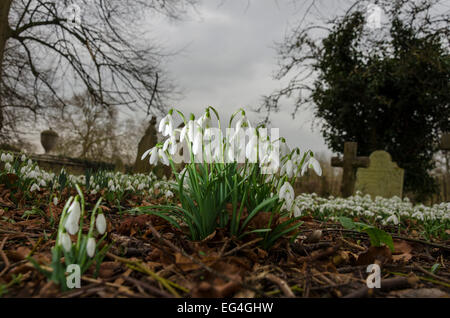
point(382, 178)
point(149, 140)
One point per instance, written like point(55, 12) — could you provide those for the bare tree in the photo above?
point(45, 56)
point(91, 132)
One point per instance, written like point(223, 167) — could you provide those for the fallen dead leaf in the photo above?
point(380, 253)
point(402, 251)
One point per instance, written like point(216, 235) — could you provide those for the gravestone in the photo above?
point(350, 163)
point(149, 140)
point(445, 142)
point(382, 178)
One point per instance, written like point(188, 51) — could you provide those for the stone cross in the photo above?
point(350, 162)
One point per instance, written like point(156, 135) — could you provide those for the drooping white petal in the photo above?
point(154, 156)
point(145, 154)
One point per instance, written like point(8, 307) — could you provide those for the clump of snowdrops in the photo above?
point(229, 179)
point(83, 250)
point(20, 172)
point(432, 221)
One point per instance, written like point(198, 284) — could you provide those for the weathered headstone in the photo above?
point(350, 163)
point(149, 140)
point(382, 178)
point(445, 142)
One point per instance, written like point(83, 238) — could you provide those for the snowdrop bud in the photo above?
point(34, 187)
point(65, 241)
point(100, 223)
point(90, 247)
point(74, 217)
point(23, 158)
point(55, 201)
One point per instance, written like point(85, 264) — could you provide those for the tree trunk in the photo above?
point(5, 31)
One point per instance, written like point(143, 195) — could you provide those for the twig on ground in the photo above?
point(284, 287)
point(386, 285)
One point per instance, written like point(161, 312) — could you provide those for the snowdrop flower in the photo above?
point(74, 217)
point(163, 157)
point(100, 223)
point(55, 200)
point(188, 131)
point(6, 157)
point(8, 167)
point(90, 247)
point(198, 140)
point(392, 219)
point(284, 149)
point(297, 211)
point(172, 142)
point(287, 193)
point(169, 194)
point(35, 187)
point(312, 163)
point(252, 148)
point(65, 241)
point(23, 158)
point(205, 120)
point(288, 169)
point(166, 125)
point(242, 122)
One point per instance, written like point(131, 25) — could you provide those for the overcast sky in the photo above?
point(229, 59)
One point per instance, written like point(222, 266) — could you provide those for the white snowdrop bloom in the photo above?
point(204, 121)
point(43, 183)
point(392, 219)
point(287, 193)
point(312, 163)
point(3, 157)
point(35, 187)
point(30, 162)
point(141, 186)
point(74, 217)
point(169, 194)
point(297, 211)
point(90, 247)
point(163, 157)
point(288, 169)
point(198, 140)
point(166, 125)
point(23, 158)
point(55, 200)
point(242, 122)
point(100, 223)
point(418, 215)
point(171, 144)
point(8, 167)
point(252, 148)
point(188, 131)
point(153, 156)
point(65, 241)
